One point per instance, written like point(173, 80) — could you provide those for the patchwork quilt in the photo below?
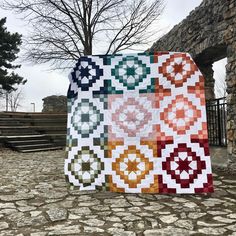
point(137, 124)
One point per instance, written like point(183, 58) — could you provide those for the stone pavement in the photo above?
point(35, 201)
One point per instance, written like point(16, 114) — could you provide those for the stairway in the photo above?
point(32, 132)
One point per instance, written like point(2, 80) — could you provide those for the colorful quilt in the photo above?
point(137, 124)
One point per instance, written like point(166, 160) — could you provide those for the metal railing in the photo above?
point(216, 119)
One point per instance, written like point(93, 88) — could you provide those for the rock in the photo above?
point(113, 231)
point(212, 231)
point(80, 211)
point(21, 203)
point(183, 215)
point(118, 209)
point(7, 205)
point(138, 203)
point(134, 209)
point(57, 214)
point(217, 212)
point(38, 234)
point(232, 227)
point(229, 181)
point(152, 222)
point(112, 219)
point(179, 199)
point(124, 233)
point(233, 192)
point(93, 222)
point(100, 208)
point(53, 195)
point(35, 213)
point(139, 225)
point(74, 217)
point(3, 225)
point(196, 215)
point(90, 203)
point(164, 212)
point(131, 218)
point(64, 230)
point(93, 229)
point(168, 231)
point(190, 205)
point(8, 211)
point(232, 216)
point(187, 224)
point(26, 208)
point(156, 207)
point(36, 202)
point(224, 220)
point(118, 225)
point(117, 203)
point(121, 213)
point(16, 197)
point(217, 183)
point(202, 223)
point(23, 220)
point(168, 219)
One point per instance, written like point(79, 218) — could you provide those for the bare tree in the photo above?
point(64, 30)
point(14, 99)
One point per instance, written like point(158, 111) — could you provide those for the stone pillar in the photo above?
point(208, 74)
point(231, 104)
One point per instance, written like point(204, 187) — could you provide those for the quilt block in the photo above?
point(137, 124)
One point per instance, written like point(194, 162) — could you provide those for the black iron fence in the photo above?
point(216, 119)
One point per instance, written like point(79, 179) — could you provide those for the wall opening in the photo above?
point(217, 108)
point(220, 76)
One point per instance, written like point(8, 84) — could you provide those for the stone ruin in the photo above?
point(55, 104)
point(209, 34)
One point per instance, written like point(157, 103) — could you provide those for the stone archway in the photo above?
point(209, 34)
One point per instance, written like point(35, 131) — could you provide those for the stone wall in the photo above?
point(55, 104)
point(209, 34)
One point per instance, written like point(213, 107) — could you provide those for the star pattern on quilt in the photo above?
point(178, 68)
point(132, 166)
point(180, 114)
point(86, 73)
point(130, 71)
point(86, 118)
point(137, 124)
point(131, 117)
point(183, 165)
point(86, 166)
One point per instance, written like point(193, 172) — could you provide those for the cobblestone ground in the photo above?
point(35, 201)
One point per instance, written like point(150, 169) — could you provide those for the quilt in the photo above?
point(137, 124)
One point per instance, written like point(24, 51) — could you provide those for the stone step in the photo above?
point(8, 130)
point(32, 123)
point(28, 142)
point(25, 137)
point(32, 146)
point(13, 132)
point(33, 127)
point(13, 124)
point(41, 149)
point(33, 131)
point(31, 119)
point(50, 132)
point(32, 115)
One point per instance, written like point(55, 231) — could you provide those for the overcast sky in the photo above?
point(42, 82)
